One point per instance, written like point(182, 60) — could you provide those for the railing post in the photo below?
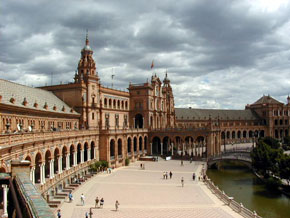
point(230, 200)
point(254, 214)
point(241, 207)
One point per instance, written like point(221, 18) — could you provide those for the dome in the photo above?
point(87, 47)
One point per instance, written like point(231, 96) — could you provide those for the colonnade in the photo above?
point(38, 172)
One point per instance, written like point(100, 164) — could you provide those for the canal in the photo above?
point(240, 183)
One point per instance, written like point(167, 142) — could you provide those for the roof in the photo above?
point(267, 100)
point(205, 114)
point(20, 93)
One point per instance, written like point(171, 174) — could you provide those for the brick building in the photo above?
point(63, 128)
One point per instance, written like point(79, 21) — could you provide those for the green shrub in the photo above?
point(127, 162)
point(273, 183)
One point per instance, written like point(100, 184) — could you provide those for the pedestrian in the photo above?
point(193, 176)
point(97, 202)
point(181, 163)
point(83, 199)
point(117, 205)
point(191, 160)
point(163, 175)
point(170, 174)
point(141, 165)
point(182, 181)
point(58, 214)
point(166, 175)
point(70, 196)
point(87, 215)
point(102, 202)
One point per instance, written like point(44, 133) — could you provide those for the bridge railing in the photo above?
point(238, 207)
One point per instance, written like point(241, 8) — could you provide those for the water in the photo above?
point(245, 187)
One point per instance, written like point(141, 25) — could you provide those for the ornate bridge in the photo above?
point(241, 155)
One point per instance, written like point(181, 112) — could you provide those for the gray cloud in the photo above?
point(219, 54)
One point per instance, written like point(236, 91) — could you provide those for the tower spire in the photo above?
point(87, 38)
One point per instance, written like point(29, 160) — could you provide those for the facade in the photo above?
point(62, 129)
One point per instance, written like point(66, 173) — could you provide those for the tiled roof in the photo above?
point(205, 114)
point(267, 100)
point(20, 94)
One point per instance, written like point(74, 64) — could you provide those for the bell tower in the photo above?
point(87, 66)
point(87, 78)
point(169, 102)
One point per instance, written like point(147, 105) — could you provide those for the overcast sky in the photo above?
point(218, 53)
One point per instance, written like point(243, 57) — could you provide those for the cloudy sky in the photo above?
point(218, 53)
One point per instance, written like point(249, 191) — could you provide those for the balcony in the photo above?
point(7, 140)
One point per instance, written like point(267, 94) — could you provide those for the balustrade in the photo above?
point(238, 207)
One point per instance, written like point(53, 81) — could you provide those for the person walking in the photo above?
point(166, 175)
point(193, 176)
point(58, 214)
point(170, 174)
point(97, 202)
point(70, 197)
point(102, 202)
point(181, 163)
point(87, 215)
point(117, 205)
point(182, 182)
point(83, 199)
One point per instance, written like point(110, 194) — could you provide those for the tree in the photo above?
point(284, 168)
point(273, 143)
point(266, 157)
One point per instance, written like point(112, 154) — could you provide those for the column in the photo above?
point(75, 158)
point(94, 154)
point(32, 174)
point(42, 174)
point(151, 148)
point(161, 148)
point(172, 148)
point(5, 191)
point(82, 156)
point(51, 169)
point(67, 161)
point(182, 149)
point(143, 122)
point(133, 122)
point(89, 154)
point(59, 164)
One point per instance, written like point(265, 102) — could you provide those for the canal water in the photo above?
point(240, 183)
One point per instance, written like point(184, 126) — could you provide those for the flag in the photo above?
point(152, 65)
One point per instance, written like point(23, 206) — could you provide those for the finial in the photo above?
point(87, 37)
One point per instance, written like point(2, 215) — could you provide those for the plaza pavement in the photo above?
point(144, 193)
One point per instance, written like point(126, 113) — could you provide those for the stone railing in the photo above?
point(12, 139)
point(121, 131)
point(36, 206)
point(237, 207)
point(61, 176)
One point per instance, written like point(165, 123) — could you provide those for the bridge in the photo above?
point(241, 155)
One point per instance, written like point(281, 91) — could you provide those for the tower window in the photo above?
point(93, 116)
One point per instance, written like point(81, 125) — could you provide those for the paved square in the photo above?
point(144, 193)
